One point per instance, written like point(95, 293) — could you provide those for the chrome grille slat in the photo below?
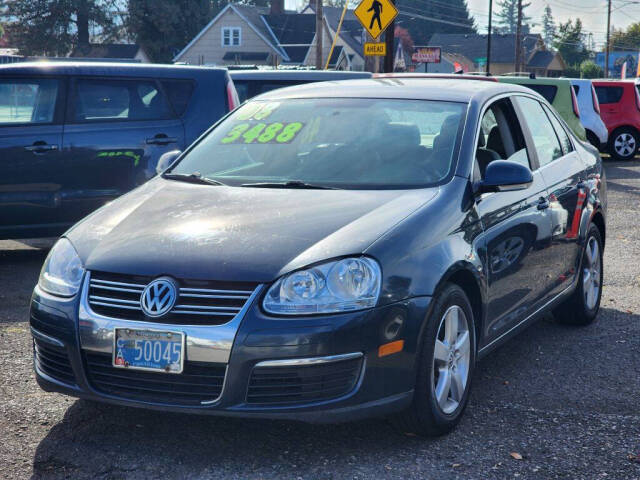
point(118, 296)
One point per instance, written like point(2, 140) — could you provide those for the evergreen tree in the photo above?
point(54, 27)
point(570, 42)
point(423, 18)
point(548, 27)
point(507, 17)
point(628, 39)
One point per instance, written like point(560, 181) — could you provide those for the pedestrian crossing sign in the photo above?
point(375, 15)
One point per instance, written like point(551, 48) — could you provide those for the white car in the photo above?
point(589, 107)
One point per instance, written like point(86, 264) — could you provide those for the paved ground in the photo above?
point(566, 400)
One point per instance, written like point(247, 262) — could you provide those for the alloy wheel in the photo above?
point(591, 273)
point(625, 144)
point(451, 359)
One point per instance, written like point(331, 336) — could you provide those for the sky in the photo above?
point(593, 13)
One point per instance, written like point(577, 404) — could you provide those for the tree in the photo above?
point(54, 27)
point(628, 39)
point(590, 69)
point(162, 27)
point(569, 42)
point(423, 18)
point(548, 27)
point(507, 17)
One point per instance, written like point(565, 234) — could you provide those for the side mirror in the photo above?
point(505, 176)
point(166, 159)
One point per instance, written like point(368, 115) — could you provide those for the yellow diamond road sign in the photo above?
point(375, 15)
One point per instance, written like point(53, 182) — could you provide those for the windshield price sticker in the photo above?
point(257, 111)
point(255, 133)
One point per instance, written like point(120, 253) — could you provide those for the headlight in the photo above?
point(62, 271)
point(340, 286)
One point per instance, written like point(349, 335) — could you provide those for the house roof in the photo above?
point(351, 30)
point(541, 59)
point(472, 46)
point(294, 33)
point(106, 50)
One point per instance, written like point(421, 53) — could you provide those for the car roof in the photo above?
point(308, 75)
point(399, 88)
point(612, 81)
point(452, 76)
point(102, 68)
point(538, 80)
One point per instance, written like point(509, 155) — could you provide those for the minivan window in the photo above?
point(119, 100)
point(179, 93)
point(545, 140)
point(547, 91)
point(27, 100)
point(403, 143)
point(609, 94)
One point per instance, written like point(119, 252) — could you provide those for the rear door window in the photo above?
point(565, 142)
point(28, 100)
point(608, 94)
point(545, 140)
point(547, 91)
point(576, 88)
point(105, 100)
point(179, 93)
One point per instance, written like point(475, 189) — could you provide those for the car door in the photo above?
point(609, 100)
point(116, 130)
point(31, 123)
point(564, 173)
point(516, 224)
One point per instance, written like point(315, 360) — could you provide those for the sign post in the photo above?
point(376, 16)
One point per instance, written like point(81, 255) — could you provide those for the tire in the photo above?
point(583, 305)
point(427, 416)
point(624, 143)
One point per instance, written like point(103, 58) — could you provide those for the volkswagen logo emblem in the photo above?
point(158, 297)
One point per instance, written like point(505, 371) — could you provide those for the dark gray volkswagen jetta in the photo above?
point(329, 252)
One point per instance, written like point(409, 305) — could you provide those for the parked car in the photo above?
point(250, 83)
point(450, 76)
point(589, 108)
point(558, 92)
point(329, 252)
point(74, 136)
point(620, 111)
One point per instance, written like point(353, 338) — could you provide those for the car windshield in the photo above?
point(340, 143)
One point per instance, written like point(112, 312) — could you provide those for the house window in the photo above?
point(231, 36)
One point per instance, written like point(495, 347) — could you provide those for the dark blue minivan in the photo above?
point(74, 136)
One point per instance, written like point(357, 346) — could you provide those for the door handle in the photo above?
point(161, 139)
point(543, 203)
point(40, 147)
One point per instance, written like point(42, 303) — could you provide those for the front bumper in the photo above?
point(250, 343)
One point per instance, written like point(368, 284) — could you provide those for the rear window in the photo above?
point(609, 94)
point(179, 93)
point(547, 91)
point(102, 100)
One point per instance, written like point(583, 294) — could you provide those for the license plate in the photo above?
point(151, 350)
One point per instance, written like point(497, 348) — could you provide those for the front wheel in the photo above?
point(583, 305)
point(444, 367)
point(624, 143)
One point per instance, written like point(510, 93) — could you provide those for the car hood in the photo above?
point(235, 233)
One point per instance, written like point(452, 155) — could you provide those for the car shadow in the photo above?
point(560, 365)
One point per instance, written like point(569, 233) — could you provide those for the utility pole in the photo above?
point(518, 34)
point(489, 40)
point(388, 39)
point(606, 55)
point(319, 35)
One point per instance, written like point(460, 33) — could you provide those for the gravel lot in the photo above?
point(567, 400)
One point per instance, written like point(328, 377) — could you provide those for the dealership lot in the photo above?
point(565, 400)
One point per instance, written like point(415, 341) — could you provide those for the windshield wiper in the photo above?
point(195, 177)
point(289, 184)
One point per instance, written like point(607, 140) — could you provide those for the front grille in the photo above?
point(53, 361)
point(199, 302)
point(302, 384)
point(199, 382)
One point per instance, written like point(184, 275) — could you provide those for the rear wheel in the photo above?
point(444, 368)
point(583, 305)
point(624, 143)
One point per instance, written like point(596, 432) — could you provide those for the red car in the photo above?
point(620, 111)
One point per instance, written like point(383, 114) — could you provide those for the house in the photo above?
point(471, 50)
point(242, 34)
point(122, 52)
